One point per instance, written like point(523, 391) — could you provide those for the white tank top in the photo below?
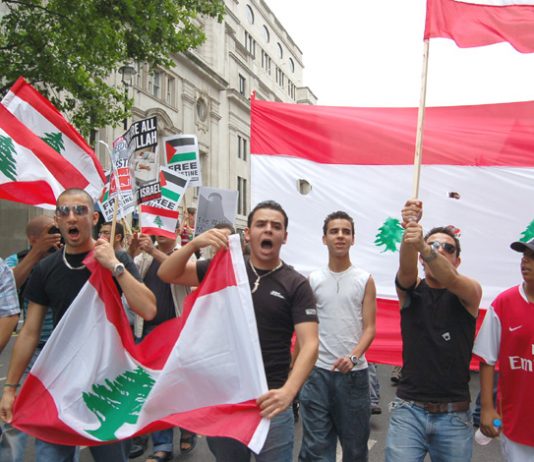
point(339, 308)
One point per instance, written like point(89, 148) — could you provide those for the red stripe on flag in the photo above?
point(159, 211)
point(153, 231)
point(28, 192)
point(471, 25)
point(63, 171)
point(30, 95)
point(485, 135)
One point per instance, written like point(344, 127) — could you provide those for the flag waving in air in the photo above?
point(158, 222)
point(475, 23)
point(202, 371)
point(31, 172)
point(42, 118)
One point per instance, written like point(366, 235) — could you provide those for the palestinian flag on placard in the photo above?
point(31, 172)
point(173, 186)
point(41, 117)
point(158, 222)
point(202, 371)
point(477, 174)
point(181, 148)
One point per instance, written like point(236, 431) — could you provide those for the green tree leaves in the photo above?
point(68, 49)
point(528, 233)
point(118, 402)
point(158, 221)
point(389, 235)
point(55, 141)
point(8, 164)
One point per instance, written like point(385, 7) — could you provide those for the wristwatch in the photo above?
point(118, 269)
point(354, 360)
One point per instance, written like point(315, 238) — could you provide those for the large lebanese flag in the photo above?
point(474, 23)
point(477, 174)
point(202, 371)
point(31, 172)
point(42, 117)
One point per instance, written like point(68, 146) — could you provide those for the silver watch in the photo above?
point(118, 269)
point(354, 360)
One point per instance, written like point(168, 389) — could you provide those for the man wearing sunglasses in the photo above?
point(438, 317)
point(55, 282)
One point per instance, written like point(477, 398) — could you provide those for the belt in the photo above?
point(442, 408)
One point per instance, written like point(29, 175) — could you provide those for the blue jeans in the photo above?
point(335, 405)
point(12, 444)
point(414, 432)
point(162, 440)
point(374, 384)
point(278, 446)
point(47, 452)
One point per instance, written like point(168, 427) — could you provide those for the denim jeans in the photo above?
point(414, 432)
point(278, 446)
point(12, 444)
point(47, 452)
point(335, 405)
point(374, 384)
point(162, 440)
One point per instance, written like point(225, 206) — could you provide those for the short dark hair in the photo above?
point(119, 229)
point(273, 205)
point(339, 215)
point(225, 225)
point(448, 230)
point(72, 191)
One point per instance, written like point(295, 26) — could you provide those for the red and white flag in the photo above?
point(202, 371)
point(158, 222)
point(31, 172)
point(42, 118)
point(475, 23)
point(477, 174)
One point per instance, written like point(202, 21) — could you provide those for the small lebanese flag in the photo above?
point(158, 222)
point(31, 172)
point(41, 117)
point(202, 371)
point(475, 23)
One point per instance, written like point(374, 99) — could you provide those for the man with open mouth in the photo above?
point(55, 282)
point(283, 303)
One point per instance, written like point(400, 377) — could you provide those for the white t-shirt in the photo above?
point(339, 309)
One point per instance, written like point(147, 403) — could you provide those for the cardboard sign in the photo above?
point(215, 206)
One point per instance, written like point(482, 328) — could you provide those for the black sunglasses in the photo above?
point(449, 248)
point(78, 210)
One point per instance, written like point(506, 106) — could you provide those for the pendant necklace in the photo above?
point(68, 265)
point(257, 281)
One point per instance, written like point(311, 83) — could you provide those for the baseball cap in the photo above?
point(519, 246)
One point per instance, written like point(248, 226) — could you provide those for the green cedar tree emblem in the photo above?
point(389, 235)
point(55, 141)
point(118, 402)
point(8, 164)
point(158, 221)
point(528, 233)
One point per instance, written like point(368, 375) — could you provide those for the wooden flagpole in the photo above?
point(418, 156)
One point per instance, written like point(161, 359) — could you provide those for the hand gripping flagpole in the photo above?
point(418, 156)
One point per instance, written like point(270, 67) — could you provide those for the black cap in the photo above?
point(519, 246)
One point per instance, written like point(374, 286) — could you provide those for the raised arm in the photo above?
point(139, 297)
point(179, 269)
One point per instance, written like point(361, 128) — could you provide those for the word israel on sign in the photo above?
point(181, 154)
point(173, 187)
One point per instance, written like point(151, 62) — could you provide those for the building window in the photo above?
point(139, 75)
point(250, 44)
point(291, 65)
point(280, 77)
point(266, 34)
point(291, 89)
point(242, 147)
point(280, 50)
point(154, 84)
point(170, 91)
point(250, 14)
point(265, 62)
point(242, 196)
point(242, 85)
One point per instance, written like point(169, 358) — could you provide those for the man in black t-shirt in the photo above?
point(438, 317)
point(283, 303)
point(55, 283)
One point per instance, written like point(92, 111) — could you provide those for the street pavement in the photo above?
point(379, 425)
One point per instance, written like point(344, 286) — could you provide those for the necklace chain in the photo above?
point(257, 281)
point(68, 265)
